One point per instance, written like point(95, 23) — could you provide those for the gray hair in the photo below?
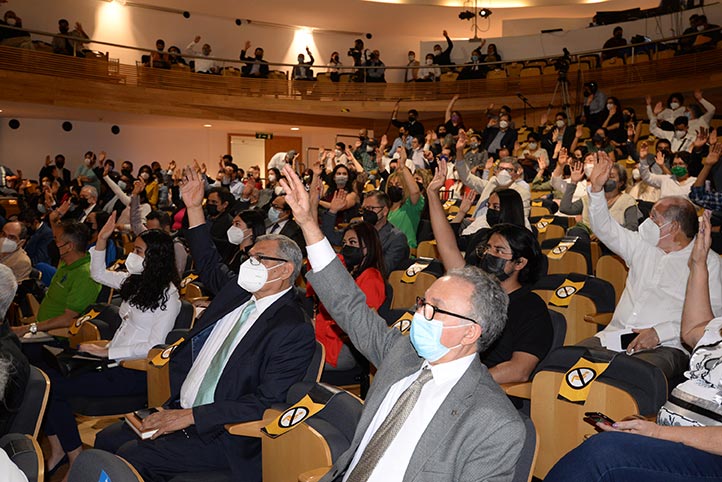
point(680, 209)
point(6, 368)
point(488, 303)
point(91, 190)
point(8, 287)
point(287, 249)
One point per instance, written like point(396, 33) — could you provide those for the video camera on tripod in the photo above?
point(562, 64)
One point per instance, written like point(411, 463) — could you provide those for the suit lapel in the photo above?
point(452, 408)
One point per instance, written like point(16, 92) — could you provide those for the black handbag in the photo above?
point(70, 362)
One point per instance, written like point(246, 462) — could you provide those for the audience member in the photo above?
point(280, 159)
point(13, 237)
point(14, 366)
point(14, 37)
point(247, 227)
point(72, 289)
point(675, 181)
point(68, 45)
point(453, 120)
point(413, 127)
point(446, 333)
point(40, 238)
point(340, 184)
point(303, 71)
point(615, 44)
point(218, 207)
point(473, 70)
point(443, 58)
point(595, 102)
point(85, 173)
point(684, 443)
point(252, 343)
point(407, 203)
point(255, 66)
point(429, 72)
point(335, 67)
point(375, 68)
point(411, 74)
point(158, 58)
point(280, 221)
point(202, 62)
point(501, 135)
point(150, 305)
point(651, 304)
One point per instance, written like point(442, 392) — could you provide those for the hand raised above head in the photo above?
point(192, 188)
point(296, 196)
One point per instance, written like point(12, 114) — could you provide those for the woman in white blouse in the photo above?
point(151, 303)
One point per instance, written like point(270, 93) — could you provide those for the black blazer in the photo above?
point(271, 357)
point(246, 69)
point(507, 141)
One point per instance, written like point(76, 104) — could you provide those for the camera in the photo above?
point(561, 65)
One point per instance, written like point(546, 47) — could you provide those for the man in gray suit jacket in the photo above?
point(462, 427)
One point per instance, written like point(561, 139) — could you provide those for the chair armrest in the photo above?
point(247, 429)
point(139, 364)
point(102, 343)
point(599, 318)
point(60, 332)
point(518, 389)
point(313, 475)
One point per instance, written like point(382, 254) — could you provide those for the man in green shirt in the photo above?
point(72, 289)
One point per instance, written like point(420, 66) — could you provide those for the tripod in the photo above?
point(562, 87)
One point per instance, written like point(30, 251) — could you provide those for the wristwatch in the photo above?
point(33, 328)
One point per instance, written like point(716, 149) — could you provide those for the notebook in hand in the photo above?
point(135, 421)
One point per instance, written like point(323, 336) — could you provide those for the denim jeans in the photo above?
point(621, 457)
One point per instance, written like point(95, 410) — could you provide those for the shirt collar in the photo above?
point(267, 301)
point(450, 371)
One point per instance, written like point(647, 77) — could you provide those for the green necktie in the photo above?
point(208, 386)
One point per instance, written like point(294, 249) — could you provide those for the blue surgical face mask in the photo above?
point(273, 214)
point(426, 337)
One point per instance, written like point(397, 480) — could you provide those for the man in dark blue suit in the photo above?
point(252, 343)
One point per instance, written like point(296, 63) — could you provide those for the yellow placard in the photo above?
point(578, 380)
point(412, 271)
point(536, 204)
point(564, 245)
point(75, 326)
point(403, 324)
point(293, 416)
point(543, 223)
point(184, 282)
point(163, 357)
point(563, 294)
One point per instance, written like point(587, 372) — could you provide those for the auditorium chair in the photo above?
point(596, 297)
point(405, 293)
point(427, 249)
point(98, 466)
point(628, 386)
point(577, 259)
point(29, 416)
point(614, 270)
point(24, 451)
point(312, 447)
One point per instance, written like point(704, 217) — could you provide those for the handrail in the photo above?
point(350, 68)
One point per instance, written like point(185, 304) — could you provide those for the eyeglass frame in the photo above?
point(256, 259)
point(422, 304)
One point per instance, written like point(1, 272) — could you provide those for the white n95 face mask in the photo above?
point(253, 277)
point(235, 235)
point(504, 178)
point(134, 263)
point(8, 246)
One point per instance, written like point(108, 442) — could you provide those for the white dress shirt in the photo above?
point(278, 161)
point(139, 330)
point(393, 464)
point(280, 224)
point(189, 389)
point(656, 283)
point(668, 185)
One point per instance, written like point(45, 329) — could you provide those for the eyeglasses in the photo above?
point(257, 258)
point(375, 209)
point(483, 249)
point(510, 170)
point(429, 310)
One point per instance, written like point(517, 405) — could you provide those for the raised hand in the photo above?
point(648, 99)
point(698, 94)
point(107, 230)
point(577, 170)
point(601, 171)
point(712, 136)
point(563, 158)
point(138, 187)
point(47, 160)
point(384, 141)
point(659, 107)
point(438, 181)
point(701, 138)
point(297, 197)
point(579, 131)
point(467, 201)
point(338, 203)
point(659, 158)
point(191, 188)
point(703, 241)
point(102, 156)
point(106, 170)
point(247, 45)
point(643, 151)
point(197, 39)
point(543, 119)
point(461, 141)
point(713, 156)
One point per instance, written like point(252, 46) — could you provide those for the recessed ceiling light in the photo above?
point(1, 110)
point(207, 125)
point(295, 128)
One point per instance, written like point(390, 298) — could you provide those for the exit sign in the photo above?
point(264, 135)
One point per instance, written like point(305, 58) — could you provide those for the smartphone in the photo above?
point(144, 413)
point(626, 339)
point(592, 418)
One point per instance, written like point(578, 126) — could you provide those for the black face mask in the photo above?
point(126, 172)
point(83, 203)
point(627, 118)
point(492, 217)
point(412, 118)
point(610, 185)
point(212, 209)
point(395, 193)
point(494, 265)
point(370, 216)
point(60, 165)
point(353, 255)
point(596, 138)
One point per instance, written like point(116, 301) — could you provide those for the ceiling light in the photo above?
point(207, 125)
point(466, 15)
point(1, 110)
point(484, 13)
point(295, 128)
